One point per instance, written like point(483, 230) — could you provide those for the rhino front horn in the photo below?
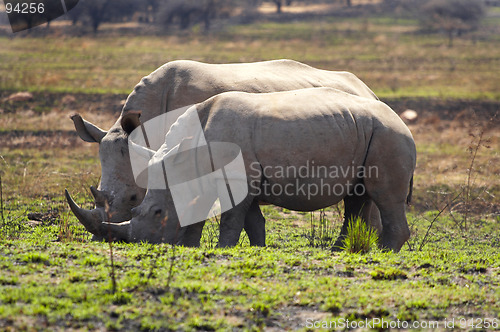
point(90, 219)
point(93, 222)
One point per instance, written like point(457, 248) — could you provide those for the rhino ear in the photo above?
point(86, 130)
point(184, 151)
point(130, 121)
point(141, 150)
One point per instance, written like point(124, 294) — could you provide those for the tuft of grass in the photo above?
point(120, 298)
point(388, 274)
point(360, 237)
point(322, 231)
point(36, 257)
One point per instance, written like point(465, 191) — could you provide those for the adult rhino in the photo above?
point(178, 84)
point(324, 127)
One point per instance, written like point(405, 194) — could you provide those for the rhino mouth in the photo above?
point(94, 220)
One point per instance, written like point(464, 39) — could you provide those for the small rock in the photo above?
point(27, 114)
point(68, 99)
point(20, 96)
point(409, 116)
point(33, 223)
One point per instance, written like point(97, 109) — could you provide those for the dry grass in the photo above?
point(389, 54)
point(53, 120)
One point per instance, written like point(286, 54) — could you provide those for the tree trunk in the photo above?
point(185, 20)
point(278, 6)
point(450, 38)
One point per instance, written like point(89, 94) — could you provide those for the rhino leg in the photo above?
point(395, 231)
point(389, 190)
point(358, 206)
point(232, 223)
point(192, 235)
point(255, 225)
point(375, 221)
point(395, 227)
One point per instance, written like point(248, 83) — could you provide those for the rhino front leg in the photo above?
point(232, 223)
point(255, 225)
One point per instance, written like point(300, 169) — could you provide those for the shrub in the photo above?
point(451, 16)
point(360, 237)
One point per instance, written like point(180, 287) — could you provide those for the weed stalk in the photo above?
point(111, 257)
point(321, 234)
point(1, 201)
point(424, 240)
point(473, 150)
point(171, 269)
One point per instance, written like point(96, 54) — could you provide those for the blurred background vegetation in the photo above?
point(455, 17)
point(400, 48)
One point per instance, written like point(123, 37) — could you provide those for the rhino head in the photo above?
point(154, 220)
point(117, 193)
point(150, 221)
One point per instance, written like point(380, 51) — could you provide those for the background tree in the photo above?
point(76, 13)
point(452, 16)
point(188, 12)
point(151, 9)
point(96, 11)
point(278, 4)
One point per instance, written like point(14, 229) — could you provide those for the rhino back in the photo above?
point(183, 82)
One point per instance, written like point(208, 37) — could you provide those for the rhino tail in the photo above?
point(410, 192)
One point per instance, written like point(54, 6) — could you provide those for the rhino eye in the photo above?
point(158, 212)
point(133, 198)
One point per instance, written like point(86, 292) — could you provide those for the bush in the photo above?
point(451, 16)
point(186, 13)
point(360, 237)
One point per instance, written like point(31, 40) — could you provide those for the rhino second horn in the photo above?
point(90, 219)
point(99, 197)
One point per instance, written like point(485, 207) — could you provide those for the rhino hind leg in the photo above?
point(255, 225)
point(358, 206)
point(389, 190)
point(395, 231)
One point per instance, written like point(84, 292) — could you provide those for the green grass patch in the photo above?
point(360, 237)
point(243, 287)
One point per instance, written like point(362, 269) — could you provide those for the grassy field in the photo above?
point(389, 55)
point(53, 277)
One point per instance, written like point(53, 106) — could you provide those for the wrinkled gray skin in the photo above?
point(182, 83)
point(289, 129)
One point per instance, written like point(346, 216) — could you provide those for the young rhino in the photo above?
point(302, 150)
